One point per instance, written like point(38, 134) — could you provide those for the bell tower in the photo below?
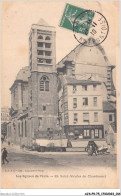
point(42, 54)
point(43, 97)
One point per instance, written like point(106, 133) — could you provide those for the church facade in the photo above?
point(34, 97)
point(39, 89)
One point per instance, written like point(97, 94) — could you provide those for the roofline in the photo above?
point(68, 54)
point(78, 83)
point(41, 26)
point(44, 25)
point(113, 66)
point(106, 111)
point(15, 82)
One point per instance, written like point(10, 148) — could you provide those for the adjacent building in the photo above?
point(109, 117)
point(5, 117)
point(80, 108)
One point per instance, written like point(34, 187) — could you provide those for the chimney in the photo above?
point(70, 65)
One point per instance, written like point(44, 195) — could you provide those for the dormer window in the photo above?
point(94, 87)
point(84, 87)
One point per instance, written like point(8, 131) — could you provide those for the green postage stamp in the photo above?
point(77, 19)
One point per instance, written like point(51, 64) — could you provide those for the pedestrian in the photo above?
point(94, 149)
point(4, 156)
point(90, 150)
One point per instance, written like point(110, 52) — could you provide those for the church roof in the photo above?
point(72, 81)
point(23, 74)
point(42, 22)
point(85, 55)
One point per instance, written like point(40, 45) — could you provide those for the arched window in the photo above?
point(47, 38)
point(44, 83)
point(40, 37)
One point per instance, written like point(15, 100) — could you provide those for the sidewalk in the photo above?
point(17, 148)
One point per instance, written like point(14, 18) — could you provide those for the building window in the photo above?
point(110, 117)
point(19, 129)
point(86, 117)
point(25, 128)
point(31, 95)
point(48, 53)
point(66, 116)
point(39, 44)
point(40, 60)
point(74, 102)
point(44, 108)
point(44, 83)
point(40, 52)
point(92, 134)
point(40, 121)
point(100, 133)
point(47, 38)
point(84, 87)
point(96, 133)
point(94, 87)
point(22, 128)
point(40, 37)
point(47, 45)
point(65, 106)
point(85, 101)
point(86, 133)
point(95, 101)
point(14, 95)
point(75, 118)
point(73, 71)
point(74, 88)
point(49, 61)
point(95, 116)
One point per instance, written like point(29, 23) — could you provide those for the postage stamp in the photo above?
point(77, 18)
point(85, 24)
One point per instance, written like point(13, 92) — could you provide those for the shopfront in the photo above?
point(85, 131)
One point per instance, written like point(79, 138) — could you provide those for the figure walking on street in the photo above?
point(4, 156)
point(94, 149)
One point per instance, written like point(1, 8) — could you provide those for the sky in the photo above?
point(16, 20)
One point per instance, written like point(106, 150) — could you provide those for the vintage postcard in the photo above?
point(60, 94)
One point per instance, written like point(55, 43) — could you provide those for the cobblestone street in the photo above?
point(32, 159)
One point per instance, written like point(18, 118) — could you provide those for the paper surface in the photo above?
point(31, 169)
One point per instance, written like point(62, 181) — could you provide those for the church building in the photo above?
point(47, 97)
point(34, 97)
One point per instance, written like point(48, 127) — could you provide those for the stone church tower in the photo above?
point(43, 99)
